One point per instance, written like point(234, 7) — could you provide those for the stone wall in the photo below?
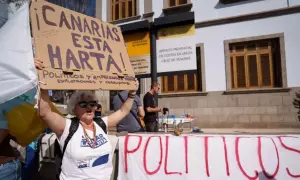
point(255, 110)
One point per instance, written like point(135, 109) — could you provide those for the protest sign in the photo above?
point(78, 51)
point(190, 157)
point(176, 49)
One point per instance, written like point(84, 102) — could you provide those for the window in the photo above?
point(188, 82)
point(123, 9)
point(255, 64)
point(177, 2)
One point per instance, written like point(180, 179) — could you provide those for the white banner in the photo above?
point(17, 71)
point(176, 54)
point(211, 157)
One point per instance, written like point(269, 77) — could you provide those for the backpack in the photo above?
point(73, 128)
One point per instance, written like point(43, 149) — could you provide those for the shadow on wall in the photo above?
point(220, 5)
point(261, 176)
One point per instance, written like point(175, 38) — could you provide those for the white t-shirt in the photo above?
point(80, 161)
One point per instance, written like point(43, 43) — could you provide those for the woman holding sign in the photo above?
point(86, 150)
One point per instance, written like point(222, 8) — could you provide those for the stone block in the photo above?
point(249, 110)
point(202, 103)
point(243, 118)
point(289, 118)
point(203, 111)
point(240, 125)
point(277, 118)
point(237, 110)
point(213, 118)
point(256, 125)
point(254, 118)
point(254, 110)
point(259, 110)
point(265, 100)
point(232, 101)
point(253, 101)
point(197, 111)
point(161, 101)
point(222, 101)
point(288, 100)
point(193, 102)
point(284, 94)
point(225, 124)
point(217, 111)
point(207, 111)
point(283, 109)
point(276, 100)
point(212, 102)
point(265, 118)
point(204, 118)
point(242, 101)
point(271, 110)
point(279, 125)
point(205, 124)
point(178, 103)
point(226, 110)
point(222, 118)
point(172, 111)
point(233, 118)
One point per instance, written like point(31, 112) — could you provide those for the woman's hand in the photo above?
point(38, 64)
point(136, 83)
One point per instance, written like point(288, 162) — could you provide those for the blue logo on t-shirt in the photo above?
point(99, 161)
point(100, 140)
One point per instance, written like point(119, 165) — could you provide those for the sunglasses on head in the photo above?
point(84, 104)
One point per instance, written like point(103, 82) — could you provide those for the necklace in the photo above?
point(91, 143)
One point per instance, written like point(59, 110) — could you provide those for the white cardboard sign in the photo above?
point(176, 54)
point(211, 157)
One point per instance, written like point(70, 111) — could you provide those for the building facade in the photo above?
point(246, 58)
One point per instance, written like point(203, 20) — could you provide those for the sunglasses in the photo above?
point(84, 104)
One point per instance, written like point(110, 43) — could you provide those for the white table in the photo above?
point(176, 121)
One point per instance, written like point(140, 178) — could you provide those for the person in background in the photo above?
point(151, 109)
point(131, 123)
point(98, 110)
point(10, 165)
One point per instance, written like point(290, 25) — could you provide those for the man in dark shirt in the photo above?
point(151, 109)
